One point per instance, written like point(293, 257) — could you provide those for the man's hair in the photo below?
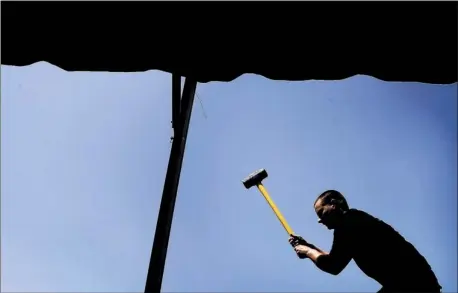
point(333, 197)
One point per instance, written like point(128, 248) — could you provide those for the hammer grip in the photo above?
point(275, 209)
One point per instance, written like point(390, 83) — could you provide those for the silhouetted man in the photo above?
point(377, 249)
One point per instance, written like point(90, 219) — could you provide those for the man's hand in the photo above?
point(300, 245)
point(302, 251)
point(295, 240)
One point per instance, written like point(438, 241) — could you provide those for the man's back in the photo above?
point(382, 253)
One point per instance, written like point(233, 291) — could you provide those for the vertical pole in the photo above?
point(172, 178)
point(176, 99)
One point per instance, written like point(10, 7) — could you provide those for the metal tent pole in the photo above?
point(172, 178)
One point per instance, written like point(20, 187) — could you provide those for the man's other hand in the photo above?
point(295, 240)
point(301, 251)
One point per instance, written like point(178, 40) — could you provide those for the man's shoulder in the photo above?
point(360, 220)
point(355, 213)
point(356, 223)
point(355, 217)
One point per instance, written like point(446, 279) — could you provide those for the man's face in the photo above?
point(328, 214)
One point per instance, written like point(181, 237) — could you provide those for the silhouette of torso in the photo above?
point(382, 253)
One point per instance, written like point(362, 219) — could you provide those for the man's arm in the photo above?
point(333, 262)
point(316, 248)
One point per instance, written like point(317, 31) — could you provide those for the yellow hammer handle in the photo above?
point(275, 209)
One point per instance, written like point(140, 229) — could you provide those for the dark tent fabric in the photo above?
point(219, 41)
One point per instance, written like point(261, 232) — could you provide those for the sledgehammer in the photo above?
point(255, 179)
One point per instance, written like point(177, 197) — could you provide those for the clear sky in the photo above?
point(84, 155)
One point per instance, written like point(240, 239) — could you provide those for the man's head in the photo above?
point(329, 207)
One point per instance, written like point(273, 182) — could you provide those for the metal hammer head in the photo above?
point(254, 178)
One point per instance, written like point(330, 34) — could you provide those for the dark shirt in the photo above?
point(381, 253)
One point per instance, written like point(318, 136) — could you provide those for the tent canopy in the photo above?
point(219, 41)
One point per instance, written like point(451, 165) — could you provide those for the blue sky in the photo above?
point(84, 157)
